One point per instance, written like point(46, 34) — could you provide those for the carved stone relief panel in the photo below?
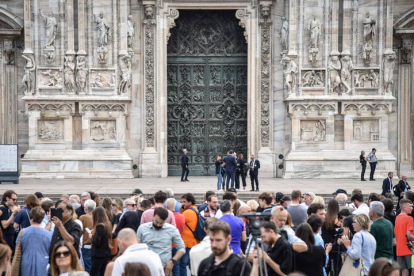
point(312, 131)
point(313, 78)
point(103, 131)
point(102, 79)
point(366, 78)
point(50, 131)
point(366, 130)
point(50, 78)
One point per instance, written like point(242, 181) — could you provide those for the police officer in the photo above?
point(363, 161)
point(372, 159)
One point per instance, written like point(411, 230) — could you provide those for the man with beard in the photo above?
point(210, 210)
point(159, 237)
point(222, 262)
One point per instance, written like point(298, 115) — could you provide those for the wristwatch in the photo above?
point(174, 261)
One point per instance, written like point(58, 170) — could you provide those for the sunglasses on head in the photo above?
point(62, 253)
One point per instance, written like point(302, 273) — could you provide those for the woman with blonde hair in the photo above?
point(253, 204)
point(5, 256)
point(319, 199)
point(117, 209)
point(65, 261)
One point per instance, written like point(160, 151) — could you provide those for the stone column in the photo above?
point(70, 60)
point(81, 28)
point(405, 108)
point(347, 27)
point(335, 27)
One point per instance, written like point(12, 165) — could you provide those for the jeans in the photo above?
point(176, 268)
point(230, 176)
point(184, 261)
point(219, 181)
point(87, 258)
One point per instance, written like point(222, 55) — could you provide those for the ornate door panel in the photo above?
point(207, 89)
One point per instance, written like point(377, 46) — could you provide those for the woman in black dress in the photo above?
point(241, 170)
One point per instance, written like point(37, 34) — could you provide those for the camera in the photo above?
point(255, 220)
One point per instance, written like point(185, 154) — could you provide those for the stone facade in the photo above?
point(84, 90)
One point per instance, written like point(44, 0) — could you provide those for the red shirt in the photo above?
point(403, 224)
point(179, 221)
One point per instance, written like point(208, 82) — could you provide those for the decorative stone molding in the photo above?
point(103, 107)
point(305, 108)
point(171, 17)
point(149, 74)
point(242, 16)
point(57, 107)
point(373, 107)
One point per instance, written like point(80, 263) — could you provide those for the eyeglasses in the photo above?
point(14, 199)
point(133, 205)
point(59, 254)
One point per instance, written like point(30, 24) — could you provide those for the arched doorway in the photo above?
point(206, 89)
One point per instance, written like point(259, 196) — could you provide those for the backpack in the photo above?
point(198, 232)
point(230, 266)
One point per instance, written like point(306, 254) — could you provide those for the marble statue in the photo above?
point(313, 79)
point(290, 73)
point(406, 52)
point(125, 66)
point(81, 73)
point(28, 69)
point(149, 11)
point(8, 51)
point(314, 26)
point(51, 28)
point(369, 33)
point(389, 64)
point(357, 82)
point(284, 34)
point(69, 73)
point(346, 68)
point(369, 79)
point(103, 29)
point(334, 67)
point(50, 78)
point(130, 31)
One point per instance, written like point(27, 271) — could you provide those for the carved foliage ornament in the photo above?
point(173, 15)
point(265, 75)
point(242, 16)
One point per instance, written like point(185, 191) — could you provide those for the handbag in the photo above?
point(351, 267)
point(17, 259)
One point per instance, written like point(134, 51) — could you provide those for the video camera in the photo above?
point(255, 220)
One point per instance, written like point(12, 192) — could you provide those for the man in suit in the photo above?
point(401, 188)
point(254, 167)
point(231, 166)
point(184, 166)
point(387, 184)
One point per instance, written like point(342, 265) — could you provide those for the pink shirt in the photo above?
point(148, 215)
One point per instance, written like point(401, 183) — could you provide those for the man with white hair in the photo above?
point(382, 230)
point(75, 200)
point(87, 222)
point(308, 198)
point(170, 194)
point(342, 200)
point(80, 210)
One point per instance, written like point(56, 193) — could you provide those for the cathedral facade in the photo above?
point(117, 88)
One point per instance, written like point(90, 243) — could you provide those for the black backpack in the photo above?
point(198, 232)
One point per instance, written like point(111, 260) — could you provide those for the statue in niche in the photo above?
point(130, 31)
point(320, 131)
point(369, 33)
point(28, 69)
point(125, 66)
point(357, 82)
point(8, 52)
point(290, 73)
point(314, 26)
point(334, 67)
point(103, 34)
point(406, 52)
point(347, 67)
point(389, 64)
point(51, 28)
point(69, 73)
point(284, 34)
point(81, 73)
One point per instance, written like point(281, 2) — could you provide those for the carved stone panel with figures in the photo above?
point(103, 131)
point(50, 131)
point(50, 78)
point(366, 130)
point(103, 79)
point(312, 131)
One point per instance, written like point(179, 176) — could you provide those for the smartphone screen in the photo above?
point(57, 212)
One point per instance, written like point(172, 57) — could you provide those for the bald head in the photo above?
point(127, 235)
point(404, 177)
point(279, 216)
point(244, 209)
point(170, 204)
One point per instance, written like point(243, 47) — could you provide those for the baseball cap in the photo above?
point(136, 191)
point(39, 195)
point(340, 191)
point(279, 196)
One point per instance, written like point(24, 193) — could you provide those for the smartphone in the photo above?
point(57, 212)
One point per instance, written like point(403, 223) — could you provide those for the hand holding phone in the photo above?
point(57, 212)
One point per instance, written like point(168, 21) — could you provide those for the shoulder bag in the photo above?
point(351, 267)
point(17, 259)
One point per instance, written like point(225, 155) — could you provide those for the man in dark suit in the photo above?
point(231, 166)
point(387, 184)
point(401, 188)
point(254, 167)
point(184, 166)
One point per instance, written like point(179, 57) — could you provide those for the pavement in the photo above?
point(197, 185)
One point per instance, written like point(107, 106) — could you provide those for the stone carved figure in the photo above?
point(8, 51)
point(313, 79)
point(406, 52)
point(290, 73)
point(51, 28)
point(313, 131)
point(130, 31)
point(346, 72)
point(284, 34)
point(125, 66)
point(49, 52)
point(389, 64)
point(149, 12)
point(103, 79)
point(50, 78)
point(69, 73)
point(357, 82)
point(334, 67)
point(369, 33)
point(370, 79)
point(81, 73)
point(320, 131)
point(28, 69)
point(103, 29)
point(50, 131)
point(314, 26)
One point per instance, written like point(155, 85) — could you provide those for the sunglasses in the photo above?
point(133, 205)
point(62, 253)
point(14, 199)
point(113, 205)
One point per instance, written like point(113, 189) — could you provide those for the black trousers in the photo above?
point(364, 166)
point(254, 178)
point(243, 176)
point(184, 173)
point(373, 165)
point(99, 265)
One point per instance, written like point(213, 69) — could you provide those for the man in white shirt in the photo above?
point(362, 208)
point(134, 252)
point(202, 250)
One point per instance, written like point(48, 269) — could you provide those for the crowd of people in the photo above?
point(296, 234)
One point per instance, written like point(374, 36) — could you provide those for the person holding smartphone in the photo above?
point(65, 227)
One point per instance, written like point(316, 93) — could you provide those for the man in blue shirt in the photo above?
point(372, 159)
point(238, 233)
